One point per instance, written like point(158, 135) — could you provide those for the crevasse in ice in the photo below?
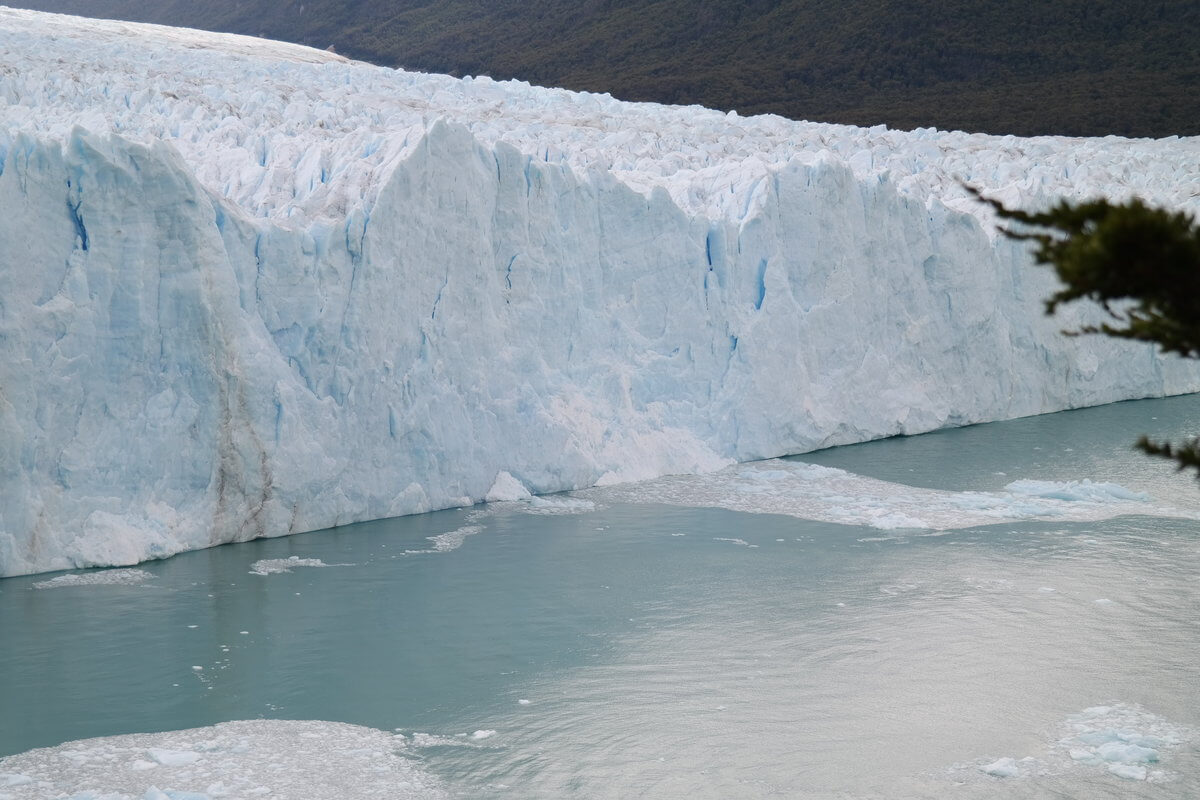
point(249, 288)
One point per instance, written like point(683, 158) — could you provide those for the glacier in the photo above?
point(248, 288)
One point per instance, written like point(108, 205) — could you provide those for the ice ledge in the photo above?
point(176, 372)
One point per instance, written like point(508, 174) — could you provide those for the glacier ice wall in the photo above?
point(248, 289)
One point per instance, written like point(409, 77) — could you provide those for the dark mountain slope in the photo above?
point(1078, 67)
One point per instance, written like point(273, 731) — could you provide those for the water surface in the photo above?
point(656, 650)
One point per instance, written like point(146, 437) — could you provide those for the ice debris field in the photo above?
point(811, 491)
point(251, 288)
point(1122, 739)
point(332, 760)
point(254, 758)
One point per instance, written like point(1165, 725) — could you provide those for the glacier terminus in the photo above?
point(250, 289)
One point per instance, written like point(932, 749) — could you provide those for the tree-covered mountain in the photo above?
point(1077, 67)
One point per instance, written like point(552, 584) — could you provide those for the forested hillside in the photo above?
point(1077, 67)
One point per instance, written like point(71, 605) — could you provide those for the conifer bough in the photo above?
point(1140, 263)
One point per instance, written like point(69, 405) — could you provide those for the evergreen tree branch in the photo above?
point(1185, 456)
point(1139, 263)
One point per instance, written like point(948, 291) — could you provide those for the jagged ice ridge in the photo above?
point(248, 288)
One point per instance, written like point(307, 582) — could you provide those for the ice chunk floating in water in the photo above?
point(1084, 491)
point(1122, 739)
point(1125, 740)
point(445, 542)
point(107, 577)
point(271, 566)
point(256, 758)
point(810, 491)
point(1002, 768)
point(253, 289)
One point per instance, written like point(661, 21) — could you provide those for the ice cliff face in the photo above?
point(248, 289)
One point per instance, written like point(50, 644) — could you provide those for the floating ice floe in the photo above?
point(259, 758)
point(511, 494)
point(451, 540)
point(1002, 768)
point(1084, 491)
point(1122, 739)
point(551, 506)
point(107, 577)
point(826, 494)
point(421, 740)
point(273, 566)
point(1126, 740)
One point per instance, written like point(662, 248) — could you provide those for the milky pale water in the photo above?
point(661, 657)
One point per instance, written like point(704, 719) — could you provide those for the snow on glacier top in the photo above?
point(297, 134)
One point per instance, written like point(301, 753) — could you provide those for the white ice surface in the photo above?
point(1002, 768)
point(1122, 739)
point(271, 566)
point(810, 491)
point(107, 577)
point(506, 488)
point(554, 505)
point(1082, 491)
point(451, 540)
point(252, 289)
point(297, 760)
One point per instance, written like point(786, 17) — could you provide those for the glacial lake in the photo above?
point(1038, 637)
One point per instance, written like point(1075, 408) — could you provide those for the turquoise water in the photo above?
point(670, 650)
